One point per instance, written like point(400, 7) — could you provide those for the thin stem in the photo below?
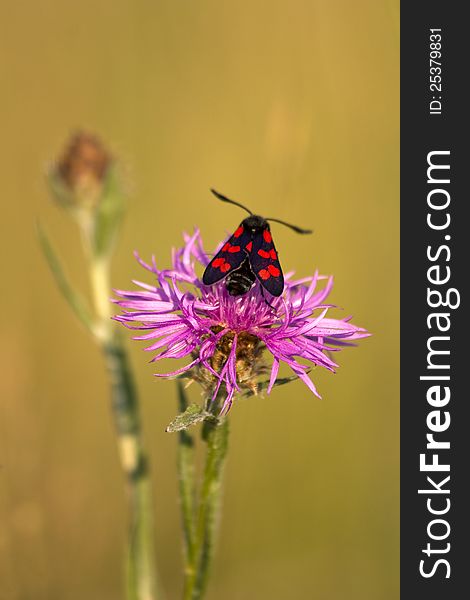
point(141, 576)
point(198, 568)
point(209, 510)
point(97, 213)
point(100, 287)
point(141, 571)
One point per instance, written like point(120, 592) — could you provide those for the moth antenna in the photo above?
point(225, 199)
point(294, 227)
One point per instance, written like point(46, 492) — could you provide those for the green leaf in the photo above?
point(74, 300)
point(191, 416)
point(108, 213)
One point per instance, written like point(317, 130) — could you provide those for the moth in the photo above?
point(248, 255)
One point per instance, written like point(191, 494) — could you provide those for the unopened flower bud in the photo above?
point(83, 166)
point(85, 181)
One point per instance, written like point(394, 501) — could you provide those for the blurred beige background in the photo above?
point(292, 108)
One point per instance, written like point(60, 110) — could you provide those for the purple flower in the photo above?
point(226, 336)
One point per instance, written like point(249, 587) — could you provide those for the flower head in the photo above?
point(227, 337)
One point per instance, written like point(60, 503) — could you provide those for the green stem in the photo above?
point(141, 571)
point(216, 436)
point(200, 561)
point(101, 290)
point(141, 576)
point(98, 220)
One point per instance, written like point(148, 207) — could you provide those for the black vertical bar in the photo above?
point(423, 132)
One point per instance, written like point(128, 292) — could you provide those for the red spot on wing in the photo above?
point(273, 254)
point(238, 232)
point(264, 274)
point(222, 264)
point(263, 253)
point(234, 249)
point(274, 271)
point(226, 247)
point(267, 236)
point(249, 246)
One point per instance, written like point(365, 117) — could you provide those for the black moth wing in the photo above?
point(230, 257)
point(265, 263)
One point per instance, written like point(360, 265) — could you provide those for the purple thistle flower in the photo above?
point(225, 336)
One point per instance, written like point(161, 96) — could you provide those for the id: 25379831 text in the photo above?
point(435, 71)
